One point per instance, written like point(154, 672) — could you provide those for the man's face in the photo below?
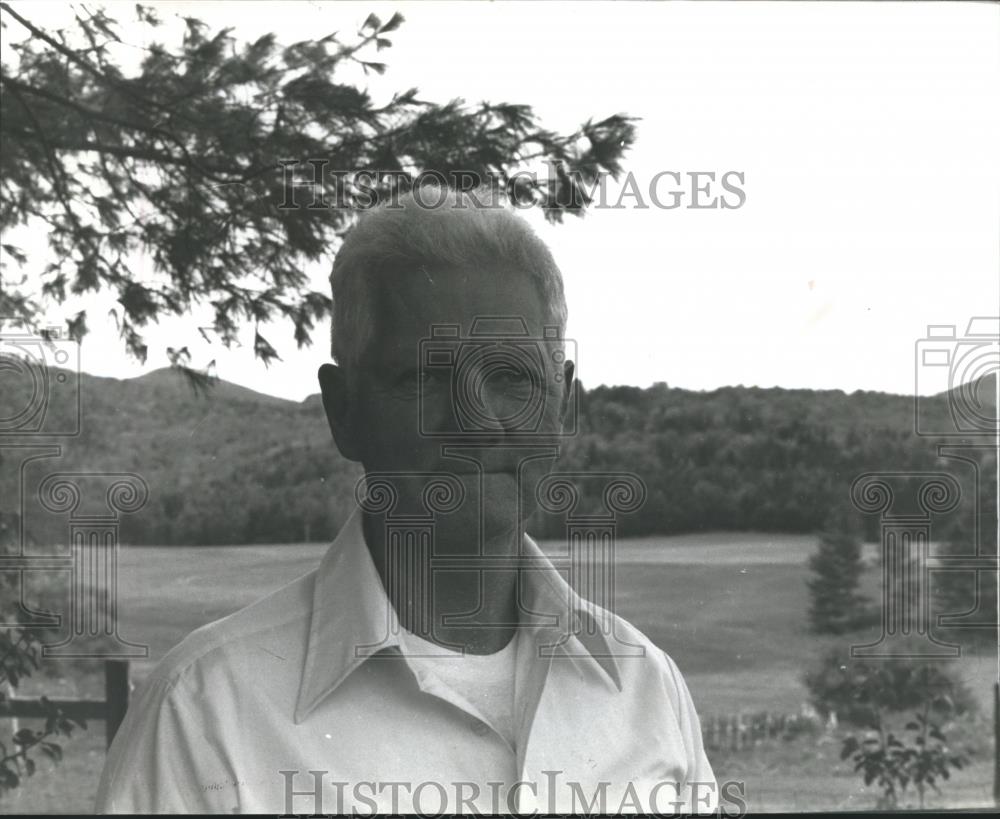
point(401, 413)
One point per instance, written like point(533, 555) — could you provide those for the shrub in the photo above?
point(919, 756)
point(858, 690)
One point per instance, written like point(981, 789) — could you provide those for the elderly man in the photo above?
point(436, 660)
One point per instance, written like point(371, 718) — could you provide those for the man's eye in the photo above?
point(414, 379)
point(517, 378)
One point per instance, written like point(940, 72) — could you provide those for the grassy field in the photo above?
point(730, 609)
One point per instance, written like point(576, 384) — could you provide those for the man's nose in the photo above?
point(496, 407)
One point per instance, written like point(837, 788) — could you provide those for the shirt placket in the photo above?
point(429, 683)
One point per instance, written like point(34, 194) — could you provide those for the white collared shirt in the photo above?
point(484, 681)
point(304, 703)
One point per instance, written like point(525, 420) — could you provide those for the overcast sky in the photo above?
point(866, 134)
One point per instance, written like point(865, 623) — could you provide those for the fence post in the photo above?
point(116, 695)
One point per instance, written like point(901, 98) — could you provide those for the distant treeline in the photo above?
point(236, 466)
point(740, 458)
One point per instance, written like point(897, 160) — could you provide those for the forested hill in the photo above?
point(236, 466)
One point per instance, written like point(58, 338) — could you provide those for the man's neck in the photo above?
point(463, 606)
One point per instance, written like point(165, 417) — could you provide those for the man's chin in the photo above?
point(496, 495)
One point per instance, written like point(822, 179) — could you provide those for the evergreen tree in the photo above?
point(836, 606)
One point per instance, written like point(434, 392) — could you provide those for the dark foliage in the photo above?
point(20, 657)
point(835, 605)
point(861, 691)
point(181, 160)
point(235, 466)
point(917, 756)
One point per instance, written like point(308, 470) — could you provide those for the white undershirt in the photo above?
point(485, 681)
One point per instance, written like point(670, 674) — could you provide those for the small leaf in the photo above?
point(850, 746)
point(52, 750)
point(393, 23)
point(263, 350)
point(15, 253)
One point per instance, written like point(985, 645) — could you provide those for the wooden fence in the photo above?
point(111, 709)
point(735, 732)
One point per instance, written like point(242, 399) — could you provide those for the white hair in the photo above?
point(434, 228)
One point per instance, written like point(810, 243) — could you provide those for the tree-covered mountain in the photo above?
point(235, 466)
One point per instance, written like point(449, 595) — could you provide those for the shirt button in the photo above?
point(479, 728)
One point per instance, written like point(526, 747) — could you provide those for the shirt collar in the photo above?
point(352, 619)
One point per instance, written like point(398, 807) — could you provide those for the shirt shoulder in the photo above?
point(274, 628)
point(656, 674)
point(191, 707)
point(639, 661)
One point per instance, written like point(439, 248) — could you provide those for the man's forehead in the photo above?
point(412, 304)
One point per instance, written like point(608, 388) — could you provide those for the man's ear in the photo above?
point(569, 371)
point(337, 402)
